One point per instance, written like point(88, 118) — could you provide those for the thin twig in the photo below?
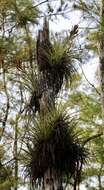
point(40, 3)
point(88, 80)
point(6, 163)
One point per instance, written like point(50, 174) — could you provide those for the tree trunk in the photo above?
point(99, 177)
point(99, 181)
point(15, 156)
point(52, 180)
point(101, 56)
point(49, 180)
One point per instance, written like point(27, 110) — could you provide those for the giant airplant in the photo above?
point(54, 143)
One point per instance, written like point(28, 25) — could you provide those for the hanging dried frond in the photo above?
point(55, 144)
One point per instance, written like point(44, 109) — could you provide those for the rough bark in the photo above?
point(101, 56)
point(51, 179)
point(50, 182)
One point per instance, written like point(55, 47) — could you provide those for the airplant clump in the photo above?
point(55, 144)
point(54, 67)
point(59, 67)
point(34, 87)
point(55, 60)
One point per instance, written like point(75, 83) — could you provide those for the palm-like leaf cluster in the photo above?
point(55, 60)
point(60, 65)
point(32, 83)
point(55, 144)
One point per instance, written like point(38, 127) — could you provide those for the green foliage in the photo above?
point(90, 121)
point(98, 143)
point(89, 107)
point(76, 81)
point(15, 51)
point(52, 141)
point(89, 8)
point(56, 60)
point(25, 13)
point(1, 152)
point(29, 80)
point(7, 184)
point(59, 50)
point(21, 12)
point(60, 60)
point(93, 39)
point(54, 144)
point(6, 178)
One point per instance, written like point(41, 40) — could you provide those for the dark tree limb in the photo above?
point(92, 138)
point(7, 105)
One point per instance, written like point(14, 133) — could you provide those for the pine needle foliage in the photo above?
point(54, 144)
point(6, 178)
point(20, 12)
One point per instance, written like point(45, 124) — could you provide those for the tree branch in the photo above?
point(7, 105)
point(92, 138)
point(42, 2)
point(89, 81)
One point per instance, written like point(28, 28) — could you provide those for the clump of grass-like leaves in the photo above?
point(34, 88)
point(56, 63)
point(55, 57)
point(54, 144)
